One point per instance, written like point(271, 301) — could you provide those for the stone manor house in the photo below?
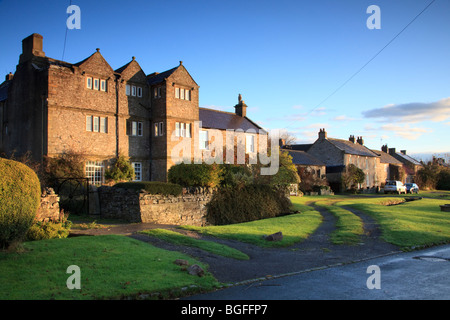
point(49, 107)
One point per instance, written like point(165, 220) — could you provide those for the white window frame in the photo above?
point(187, 95)
point(177, 93)
point(250, 143)
point(96, 84)
point(156, 126)
point(133, 128)
point(177, 129)
point(188, 130)
point(161, 129)
point(140, 129)
point(95, 172)
point(137, 167)
point(203, 140)
point(182, 94)
point(89, 123)
point(103, 85)
point(89, 82)
point(139, 92)
point(104, 125)
point(128, 90)
point(133, 91)
point(96, 124)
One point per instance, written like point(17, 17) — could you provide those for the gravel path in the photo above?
point(315, 252)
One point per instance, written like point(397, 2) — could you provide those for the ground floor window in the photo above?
point(137, 166)
point(95, 172)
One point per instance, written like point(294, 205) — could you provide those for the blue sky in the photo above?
point(284, 57)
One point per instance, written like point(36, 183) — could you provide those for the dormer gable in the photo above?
point(95, 64)
point(132, 71)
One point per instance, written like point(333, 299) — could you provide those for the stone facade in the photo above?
point(49, 107)
point(140, 206)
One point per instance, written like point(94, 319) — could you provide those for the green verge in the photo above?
point(180, 239)
point(295, 227)
point(411, 224)
point(349, 227)
point(112, 267)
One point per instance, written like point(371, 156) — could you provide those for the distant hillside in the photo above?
point(425, 157)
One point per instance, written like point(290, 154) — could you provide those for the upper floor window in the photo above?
point(135, 128)
point(96, 84)
point(159, 129)
point(137, 166)
point(97, 124)
point(182, 129)
point(250, 143)
point(183, 94)
point(134, 91)
point(156, 93)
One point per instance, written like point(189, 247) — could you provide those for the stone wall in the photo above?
point(140, 206)
point(49, 208)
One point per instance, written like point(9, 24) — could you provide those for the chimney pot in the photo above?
point(322, 134)
point(403, 151)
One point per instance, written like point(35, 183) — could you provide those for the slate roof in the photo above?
point(215, 119)
point(303, 158)
point(352, 148)
point(407, 158)
point(299, 147)
point(387, 158)
point(155, 78)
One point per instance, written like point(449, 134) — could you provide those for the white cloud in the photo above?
point(343, 117)
point(405, 131)
point(412, 112)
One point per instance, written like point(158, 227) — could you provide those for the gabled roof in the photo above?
point(352, 148)
point(299, 147)
point(214, 119)
point(386, 157)
point(155, 78)
point(303, 158)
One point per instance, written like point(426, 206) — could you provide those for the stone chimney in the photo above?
point(282, 143)
point(360, 141)
point(322, 134)
point(9, 76)
point(32, 46)
point(384, 148)
point(391, 151)
point(241, 107)
point(403, 151)
point(351, 139)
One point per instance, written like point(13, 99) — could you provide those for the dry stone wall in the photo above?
point(141, 206)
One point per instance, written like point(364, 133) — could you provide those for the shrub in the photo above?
point(69, 164)
point(153, 187)
point(48, 230)
point(196, 175)
point(443, 182)
point(20, 193)
point(121, 170)
point(246, 203)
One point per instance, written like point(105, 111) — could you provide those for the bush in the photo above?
point(121, 170)
point(20, 194)
point(246, 203)
point(48, 230)
point(196, 175)
point(153, 187)
point(443, 182)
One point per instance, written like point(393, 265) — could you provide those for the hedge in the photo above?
point(153, 187)
point(247, 203)
point(20, 194)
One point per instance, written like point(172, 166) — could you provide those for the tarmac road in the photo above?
point(417, 275)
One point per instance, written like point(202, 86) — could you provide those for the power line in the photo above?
point(65, 38)
point(376, 55)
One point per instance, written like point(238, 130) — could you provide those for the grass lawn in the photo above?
point(409, 224)
point(179, 239)
point(111, 267)
point(295, 227)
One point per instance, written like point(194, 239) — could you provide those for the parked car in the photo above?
point(393, 186)
point(412, 188)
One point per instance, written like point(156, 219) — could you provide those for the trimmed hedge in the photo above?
point(153, 187)
point(246, 203)
point(195, 175)
point(20, 194)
